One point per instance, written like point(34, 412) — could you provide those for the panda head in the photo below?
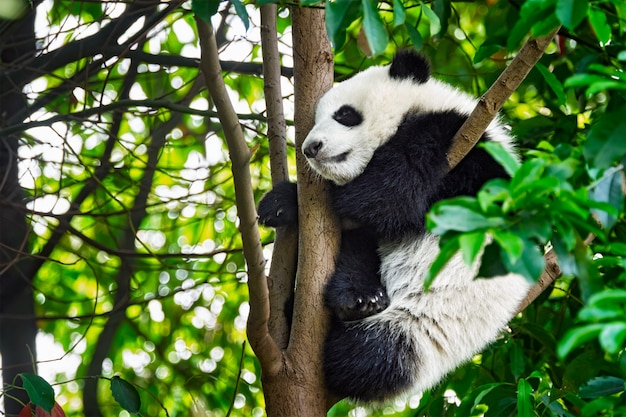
point(358, 115)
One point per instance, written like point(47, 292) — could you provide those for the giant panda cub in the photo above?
point(381, 139)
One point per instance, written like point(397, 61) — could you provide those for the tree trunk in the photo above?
point(18, 327)
point(298, 390)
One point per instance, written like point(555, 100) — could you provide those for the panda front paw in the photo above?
point(351, 305)
point(279, 207)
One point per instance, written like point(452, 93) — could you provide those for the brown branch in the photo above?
point(491, 102)
point(550, 274)
point(484, 113)
point(283, 267)
point(264, 346)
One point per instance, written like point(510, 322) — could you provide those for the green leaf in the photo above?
point(125, 394)
point(571, 12)
point(375, 30)
point(608, 297)
point(471, 244)
point(554, 84)
point(517, 360)
point(491, 264)
point(590, 313)
point(502, 156)
point(447, 251)
point(602, 386)
point(414, 35)
point(527, 174)
point(613, 336)
point(240, 8)
point(494, 191)
point(475, 398)
point(530, 264)
point(205, 9)
point(39, 391)
point(399, 14)
point(433, 19)
point(533, 14)
point(512, 244)
point(567, 260)
point(576, 337)
point(485, 51)
point(445, 217)
point(601, 28)
point(608, 190)
point(517, 33)
point(443, 9)
point(339, 15)
point(605, 140)
point(524, 405)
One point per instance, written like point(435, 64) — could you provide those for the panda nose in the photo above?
point(312, 149)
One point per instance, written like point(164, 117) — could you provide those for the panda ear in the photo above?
point(409, 64)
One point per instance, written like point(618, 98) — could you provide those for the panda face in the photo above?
point(358, 115)
point(352, 120)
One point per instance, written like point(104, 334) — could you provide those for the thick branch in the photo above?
point(319, 232)
point(283, 267)
point(264, 346)
point(491, 102)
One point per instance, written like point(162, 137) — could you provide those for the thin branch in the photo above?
point(120, 104)
point(47, 63)
point(284, 257)
point(265, 347)
point(491, 102)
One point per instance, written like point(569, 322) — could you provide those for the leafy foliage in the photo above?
point(39, 391)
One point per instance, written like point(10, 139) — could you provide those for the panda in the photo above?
point(381, 139)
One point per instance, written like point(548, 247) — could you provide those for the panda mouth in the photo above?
point(333, 159)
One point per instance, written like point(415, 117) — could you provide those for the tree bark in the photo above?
point(281, 279)
point(292, 377)
point(318, 233)
point(17, 337)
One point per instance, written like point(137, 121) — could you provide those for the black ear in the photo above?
point(409, 64)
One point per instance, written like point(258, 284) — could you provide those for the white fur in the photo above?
point(383, 102)
point(469, 313)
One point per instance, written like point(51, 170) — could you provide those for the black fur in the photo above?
point(279, 207)
point(355, 291)
point(348, 116)
point(410, 175)
point(381, 351)
point(410, 65)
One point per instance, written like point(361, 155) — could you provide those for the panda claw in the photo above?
point(357, 307)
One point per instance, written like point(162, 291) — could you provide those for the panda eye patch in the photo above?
point(348, 116)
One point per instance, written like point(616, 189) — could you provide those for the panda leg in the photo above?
point(354, 291)
point(369, 360)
